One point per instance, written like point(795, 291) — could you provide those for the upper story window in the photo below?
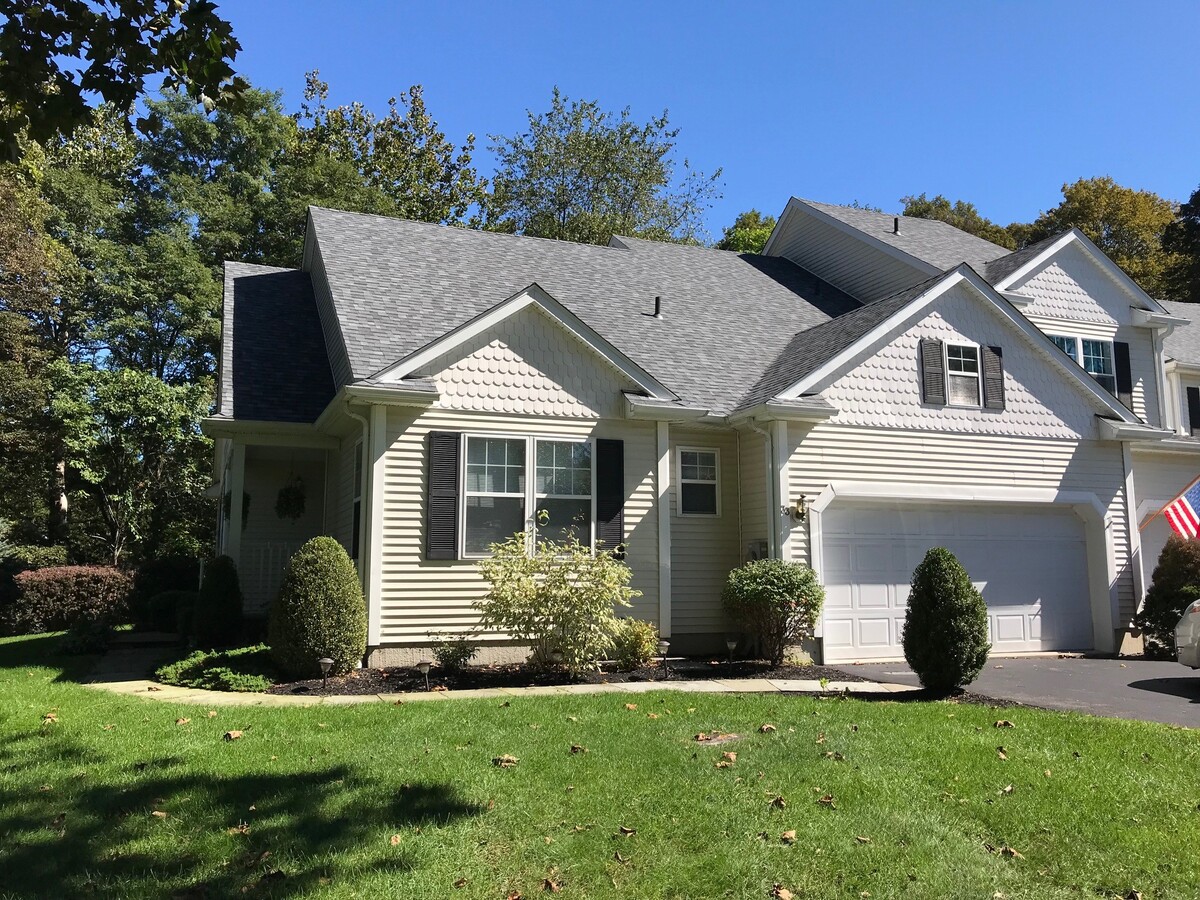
point(1095, 356)
point(699, 482)
point(962, 375)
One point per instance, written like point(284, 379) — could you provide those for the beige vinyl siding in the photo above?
point(1158, 478)
point(828, 453)
point(754, 489)
point(703, 548)
point(420, 596)
point(847, 262)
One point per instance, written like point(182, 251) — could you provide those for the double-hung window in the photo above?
point(699, 492)
point(540, 486)
point(1095, 356)
point(962, 375)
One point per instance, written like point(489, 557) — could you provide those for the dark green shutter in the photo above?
point(992, 364)
point(933, 372)
point(1124, 373)
point(610, 495)
point(1193, 400)
point(441, 501)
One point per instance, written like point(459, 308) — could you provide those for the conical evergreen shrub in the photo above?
point(946, 627)
point(319, 612)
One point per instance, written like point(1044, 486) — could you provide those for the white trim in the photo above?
point(1144, 318)
point(663, 433)
point(679, 451)
point(377, 481)
point(1136, 562)
point(905, 316)
point(391, 395)
point(1079, 355)
point(978, 373)
point(783, 492)
point(533, 295)
point(660, 410)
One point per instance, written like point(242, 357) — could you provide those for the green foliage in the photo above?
point(173, 611)
point(32, 556)
point(245, 670)
point(635, 644)
point(156, 576)
point(748, 233)
point(945, 627)
point(581, 173)
point(776, 601)
point(559, 598)
point(1181, 241)
point(961, 215)
point(217, 621)
point(319, 612)
point(87, 636)
point(1174, 585)
point(55, 598)
point(454, 652)
point(58, 52)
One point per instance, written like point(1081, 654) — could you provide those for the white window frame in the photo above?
point(680, 481)
point(977, 374)
point(530, 495)
point(1078, 359)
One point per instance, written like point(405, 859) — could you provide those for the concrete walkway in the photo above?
point(124, 670)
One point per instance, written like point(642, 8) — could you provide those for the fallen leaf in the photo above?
point(788, 837)
point(322, 724)
point(1011, 853)
point(835, 756)
point(1046, 773)
point(240, 828)
point(182, 721)
point(232, 735)
point(109, 727)
point(212, 713)
point(779, 892)
point(1003, 723)
point(722, 764)
point(854, 728)
point(550, 885)
point(861, 839)
point(153, 687)
point(460, 883)
point(626, 832)
point(766, 729)
point(619, 858)
point(50, 718)
point(631, 706)
point(548, 840)
point(514, 895)
point(1133, 894)
point(159, 814)
point(578, 748)
point(1007, 789)
point(778, 802)
point(821, 737)
point(732, 757)
point(572, 718)
point(505, 761)
point(395, 840)
point(439, 687)
point(651, 715)
point(1001, 753)
point(827, 800)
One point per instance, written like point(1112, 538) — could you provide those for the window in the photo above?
point(962, 375)
point(356, 525)
point(505, 477)
point(1096, 357)
point(699, 493)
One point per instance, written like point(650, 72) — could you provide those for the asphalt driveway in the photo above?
point(1124, 688)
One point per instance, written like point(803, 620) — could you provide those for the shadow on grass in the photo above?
point(45, 650)
point(1186, 686)
point(261, 834)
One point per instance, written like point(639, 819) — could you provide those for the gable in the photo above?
point(528, 364)
point(1072, 285)
point(883, 389)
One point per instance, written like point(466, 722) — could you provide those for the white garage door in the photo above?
point(1029, 563)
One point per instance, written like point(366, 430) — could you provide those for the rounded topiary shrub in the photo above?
point(946, 626)
point(217, 620)
point(319, 612)
point(1173, 587)
point(776, 601)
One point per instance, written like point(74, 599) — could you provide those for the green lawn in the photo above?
point(404, 801)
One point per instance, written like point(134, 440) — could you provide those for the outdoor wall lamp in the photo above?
point(800, 514)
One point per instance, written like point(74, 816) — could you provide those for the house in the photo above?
point(867, 387)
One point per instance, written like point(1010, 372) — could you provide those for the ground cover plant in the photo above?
point(593, 796)
point(242, 670)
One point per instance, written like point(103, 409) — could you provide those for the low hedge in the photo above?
point(59, 597)
point(245, 670)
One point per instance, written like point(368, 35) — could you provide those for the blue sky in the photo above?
point(995, 103)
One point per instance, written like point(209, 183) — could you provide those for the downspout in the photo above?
point(772, 489)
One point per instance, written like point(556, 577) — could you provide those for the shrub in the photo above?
point(55, 598)
point(217, 620)
point(243, 670)
point(319, 612)
point(1173, 586)
point(171, 611)
point(560, 598)
point(18, 558)
point(453, 652)
point(635, 644)
point(946, 627)
point(777, 601)
point(87, 636)
point(158, 576)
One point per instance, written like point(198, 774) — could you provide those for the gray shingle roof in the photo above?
point(399, 285)
point(999, 269)
point(273, 361)
point(809, 349)
point(935, 242)
point(1183, 344)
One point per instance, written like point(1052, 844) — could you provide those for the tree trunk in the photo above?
point(56, 501)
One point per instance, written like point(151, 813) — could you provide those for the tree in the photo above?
point(58, 53)
point(1127, 225)
point(580, 173)
point(1181, 240)
point(960, 214)
point(748, 233)
point(1173, 587)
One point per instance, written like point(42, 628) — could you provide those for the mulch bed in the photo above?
point(404, 679)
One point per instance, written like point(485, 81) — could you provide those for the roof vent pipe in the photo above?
point(896, 225)
point(658, 307)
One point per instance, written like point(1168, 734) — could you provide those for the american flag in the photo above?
point(1181, 512)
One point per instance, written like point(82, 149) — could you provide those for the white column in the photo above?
point(237, 486)
point(779, 465)
point(373, 541)
point(664, 529)
point(1135, 536)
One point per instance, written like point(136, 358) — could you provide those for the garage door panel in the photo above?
point(1029, 563)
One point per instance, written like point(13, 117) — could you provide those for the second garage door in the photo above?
point(1030, 563)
